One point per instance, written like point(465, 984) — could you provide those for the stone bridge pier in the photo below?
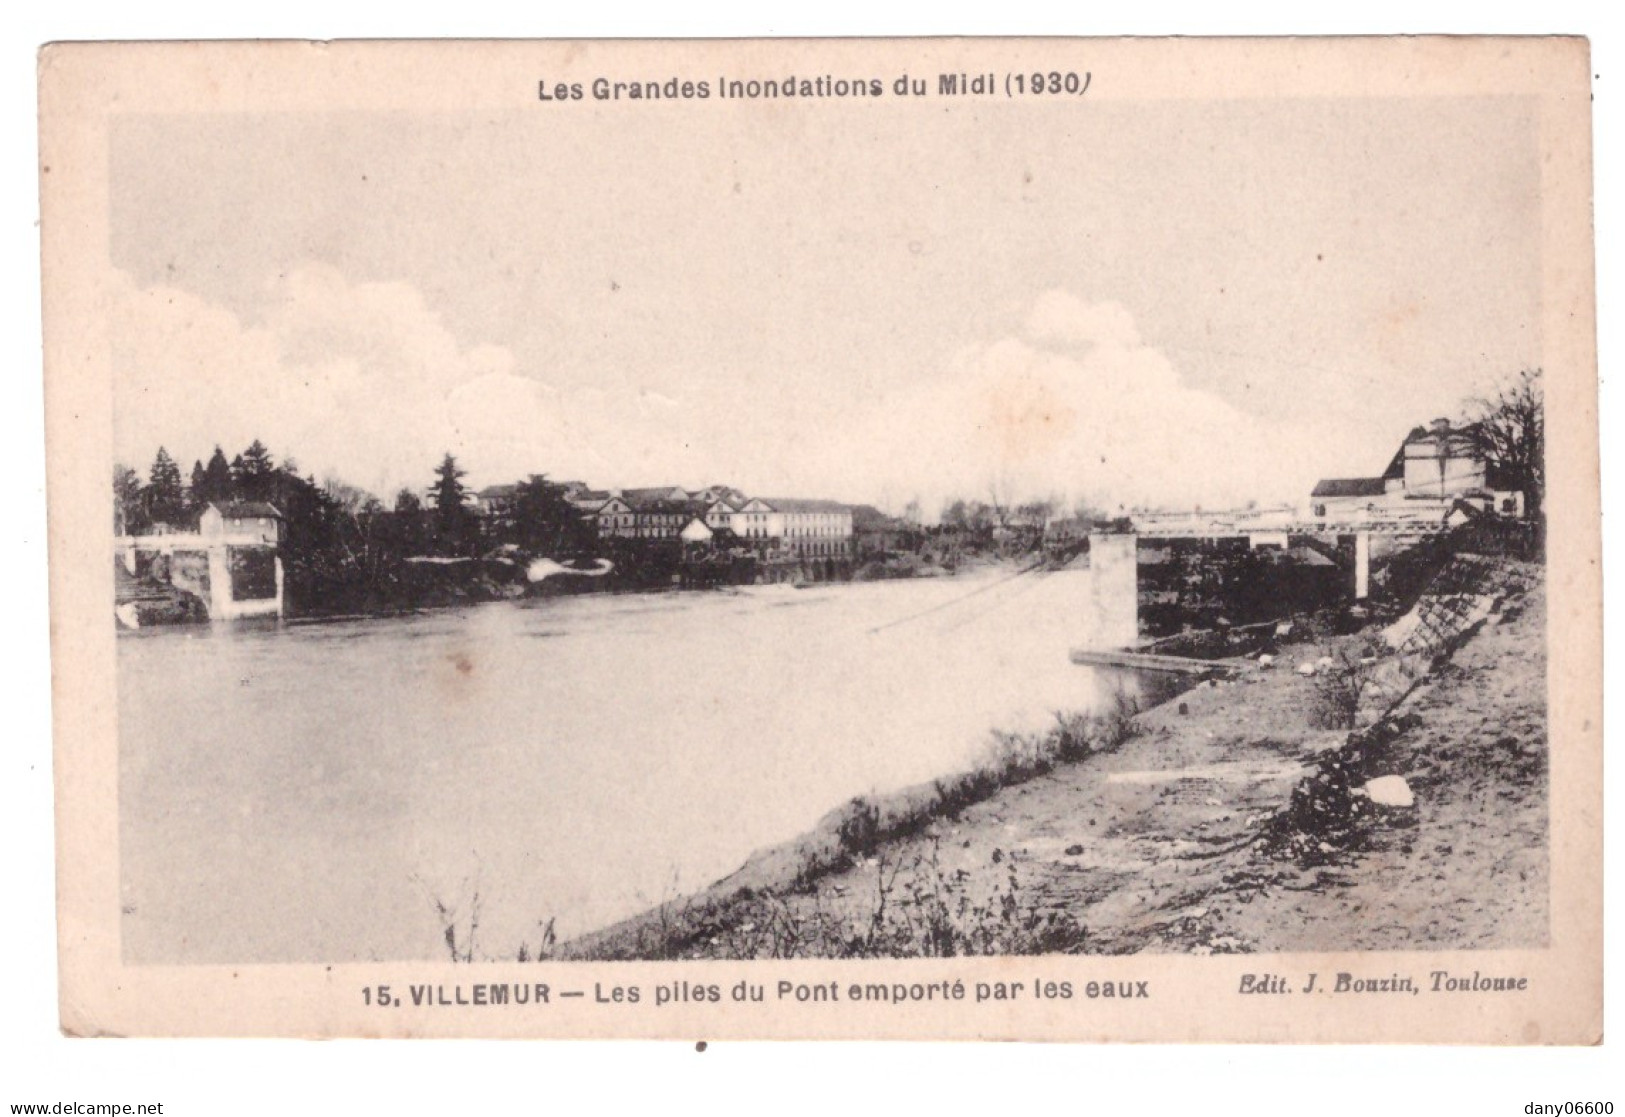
point(1114, 592)
point(1113, 620)
point(212, 580)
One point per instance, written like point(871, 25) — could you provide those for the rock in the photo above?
point(1306, 669)
point(1073, 851)
point(1325, 662)
point(1390, 791)
point(1284, 628)
point(1184, 709)
point(1265, 660)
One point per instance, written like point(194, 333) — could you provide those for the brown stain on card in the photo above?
point(457, 677)
point(1025, 417)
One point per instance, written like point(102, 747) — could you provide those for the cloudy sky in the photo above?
point(1172, 302)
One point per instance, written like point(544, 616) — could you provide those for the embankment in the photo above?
point(1244, 816)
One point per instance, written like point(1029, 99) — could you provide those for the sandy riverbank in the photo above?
point(1182, 838)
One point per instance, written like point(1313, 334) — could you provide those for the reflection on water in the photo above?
point(305, 793)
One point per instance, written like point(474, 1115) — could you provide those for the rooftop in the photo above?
point(1350, 486)
point(246, 509)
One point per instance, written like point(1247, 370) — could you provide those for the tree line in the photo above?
point(342, 549)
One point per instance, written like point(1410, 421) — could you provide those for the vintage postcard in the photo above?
point(1025, 539)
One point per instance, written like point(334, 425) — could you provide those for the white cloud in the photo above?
point(364, 381)
point(359, 380)
point(1076, 404)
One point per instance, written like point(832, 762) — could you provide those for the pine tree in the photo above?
point(449, 496)
point(216, 480)
point(543, 521)
point(254, 476)
point(164, 497)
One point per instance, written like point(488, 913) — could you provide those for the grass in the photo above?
point(917, 908)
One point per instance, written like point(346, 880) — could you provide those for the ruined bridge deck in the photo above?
point(1320, 528)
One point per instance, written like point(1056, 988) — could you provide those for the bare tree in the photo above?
point(1510, 431)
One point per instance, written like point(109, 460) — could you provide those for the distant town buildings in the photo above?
point(792, 527)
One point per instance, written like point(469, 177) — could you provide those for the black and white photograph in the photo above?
point(701, 504)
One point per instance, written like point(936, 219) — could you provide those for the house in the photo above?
point(755, 521)
point(1435, 469)
point(495, 500)
point(807, 528)
point(874, 532)
point(648, 514)
point(727, 493)
point(661, 492)
point(1346, 497)
point(614, 517)
point(720, 512)
point(244, 521)
point(588, 501)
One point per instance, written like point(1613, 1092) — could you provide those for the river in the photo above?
point(311, 793)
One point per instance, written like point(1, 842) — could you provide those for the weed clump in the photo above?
point(1340, 685)
point(917, 910)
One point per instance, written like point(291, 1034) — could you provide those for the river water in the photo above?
point(310, 793)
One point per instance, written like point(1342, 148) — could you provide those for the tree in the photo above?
point(543, 521)
point(164, 497)
point(195, 489)
point(408, 501)
point(129, 517)
point(1036, 513)
point(350, 499)
point(216, 487)
point(450, 502)
point(1510, 431)
point(253, 472)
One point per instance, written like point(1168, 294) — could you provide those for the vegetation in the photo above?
point(342, 550)
point(916, 908)
point(1340, 685)
point(1509, 429)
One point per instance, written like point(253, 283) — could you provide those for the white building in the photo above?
point(1434, 469)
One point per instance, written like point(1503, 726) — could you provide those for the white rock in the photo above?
point(1390, 791)
point(1324, 662)
point(1306, 669)
point(1265, 660)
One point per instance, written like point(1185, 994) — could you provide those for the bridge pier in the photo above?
point(212, 579)
point(1114, 591)
point(1356, 549)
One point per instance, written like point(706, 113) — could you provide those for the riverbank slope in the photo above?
point(1190, 836)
